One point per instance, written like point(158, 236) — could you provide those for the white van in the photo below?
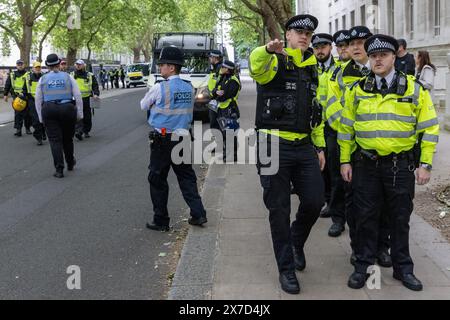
point(196, 47)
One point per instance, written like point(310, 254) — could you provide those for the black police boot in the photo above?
point(28, 131)
point(299, 259)
point(336, 230)
point(325, 212)
point(44, 136)
point(384, 259)
point(71, 165)
point(39, 142)
point(59, 173)
point(157, 227)
point(79, 136)
point(87, 135)
point(353, 259)
point(289, 283)
point(18, 133)
point(197, 221)
point(357, 280)
point(409, 280)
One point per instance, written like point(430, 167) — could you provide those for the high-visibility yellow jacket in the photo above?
point(342, 78)
point(264, 67)
point(17, 82)
point(324, 77)
point(32, 81)
point(213, 78)
point(84, 83)
point(233, 98)
point(390, 124)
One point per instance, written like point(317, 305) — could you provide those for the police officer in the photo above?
point(29, 89)
point(14, 85)
point(111, 74)
point(343, 78)
point(215, 60)
point(116, 78)
point(63, 66)
point(287, 107)
point(226, 93)
point(171, 105)
point(59, 105)
point(385, 114)
point(322, 45)
point(122, 76)
point(341, 39)
point(88, 87)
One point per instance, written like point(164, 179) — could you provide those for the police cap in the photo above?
point(341, 36)
point(321, 38)
point(228, 64)
point(381, 43)
point(216, 53)
point(302, 22)
point(359, 32)
point(52, 60)
point(171, 55)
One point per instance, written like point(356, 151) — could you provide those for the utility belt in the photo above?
point(297, 142)
point(156, 137)
point(58, 102)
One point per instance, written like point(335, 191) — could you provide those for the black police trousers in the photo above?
point(375, 190)
point(39, 130)
point(85, 125)
point(213, 124)
point(160, 163)
point(22, 118)
point(299, 165)
point(59, 121)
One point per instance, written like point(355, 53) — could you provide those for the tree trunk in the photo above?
point(71, 56)
point(25, 47)
point(136, 54)
point(72, 46)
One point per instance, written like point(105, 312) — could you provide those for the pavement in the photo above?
point(94, 218)
point(232, 257)
point(7, 112)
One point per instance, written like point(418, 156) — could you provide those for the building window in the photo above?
point(437, 17)
point(363, 15)
point(344, 22)
point(411, 19)
point(391, 17)
point(336, 24)
point(331, 27)
point(352, 19)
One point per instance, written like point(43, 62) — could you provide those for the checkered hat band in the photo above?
point(227, 66)
point(379, 45)
point(302, 24)
point(342, 37)
point(321, 40)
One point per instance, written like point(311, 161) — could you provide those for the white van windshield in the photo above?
point(194, 63)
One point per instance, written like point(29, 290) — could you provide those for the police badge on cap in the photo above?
point(342, 36)
point(359, 32)
point(321, 38)
point(381, 43)
point(302, 22)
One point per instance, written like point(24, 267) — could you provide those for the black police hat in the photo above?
point(171, 55)
point(359, 32)
point(228, 64)
point(20, 61)
point(302, 22)
point(52, 60)
point(341, 36)
point(381, 43)
point(216, 53)
point(321, 38)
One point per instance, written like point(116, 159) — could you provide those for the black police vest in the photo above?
point(286, 103)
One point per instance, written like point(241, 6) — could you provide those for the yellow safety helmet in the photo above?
point(19, 104)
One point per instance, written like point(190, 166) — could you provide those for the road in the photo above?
point(94, 218)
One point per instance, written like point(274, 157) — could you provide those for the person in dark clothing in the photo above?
point(14, 85)
point(215, 59)
point(88, 87)
point(29, 90)
point(111, 74)
point(122, 76)
point(405, 61)
point(226, 93)
point(116, 78)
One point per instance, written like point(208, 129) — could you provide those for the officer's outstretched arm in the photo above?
point(346, 130)
point(263, 65)
point(427, 123)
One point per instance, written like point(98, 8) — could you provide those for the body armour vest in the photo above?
point(286, 103)
point(176, 108)
point(56, 86)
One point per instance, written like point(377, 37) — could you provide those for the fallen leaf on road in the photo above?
point(442, 214)
point(162, 254)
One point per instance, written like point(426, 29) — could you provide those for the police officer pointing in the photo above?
point(287, 107)
point(171, 105)
point(59, 105)
point(385, 114)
